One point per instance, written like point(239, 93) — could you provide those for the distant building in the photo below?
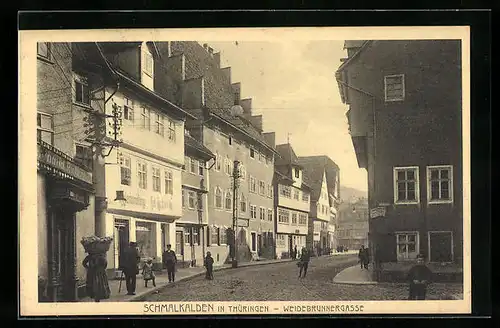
point(292, 202)
point(352, 224)
point(405, 107)
point(323, 176)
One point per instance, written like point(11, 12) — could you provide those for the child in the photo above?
point(209, 262)
point(147, 273)
point(419, 277)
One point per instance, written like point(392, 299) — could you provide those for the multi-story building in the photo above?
point(404, 116)
point(194, 80)
point(65, 211)
point(291, 200)
point(352, 224)
point(138, 185)
point(323, 176)
point(191, 227)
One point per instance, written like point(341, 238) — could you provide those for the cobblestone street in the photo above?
point(279, 282)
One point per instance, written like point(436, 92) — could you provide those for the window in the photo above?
point(201, 167)
point(145, 118)
point(236, 98)
point(270, 191)
point(406, 185)
point(148, 64)
point(125, 169)
point(269, 214)
point(43, 50)
point(394, 87)
point(223, 235)
point(227, 166)
point(253, 211)
point(262, 188)
point(192, 166)
point(297, 173)
point(142, 174)
point(82, 92)
point(188, 240)
point(305, 196)
point(191, 200)
point(295, 194)
point(45, 128)
point(83, 155)
point(128, 109)
point(218, 197)
point(187, 163)
point(252, 153)
point(243, 203)
point(217, 161)
point(159, 124)
point(171, 131)
point(285, 191)
point(183, 198)
point(440, 186)
point(407, 245)
point(253, 184)
point(228, 203)
point(214, 235)
point(262, 212)
point(243, 172)
point(294, 218)
point(283, 216)
point(156, 179)
point(302, 219)
point(281, 240)
point(230, 140)
point(196, 236)
point(169, 183)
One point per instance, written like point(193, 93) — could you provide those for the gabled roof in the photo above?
point(288, 156)
point(314, 167)
point(353, 57)
point(193, 145)
point(120, 46)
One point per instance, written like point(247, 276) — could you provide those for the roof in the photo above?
point(119, 46)
point(193, 144)
point(353, 43)
point(288, 156)
point(353, 57)
point(314, 167)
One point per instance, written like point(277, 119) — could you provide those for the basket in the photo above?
point(96, 245)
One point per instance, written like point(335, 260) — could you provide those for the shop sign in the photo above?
point(377, 212)
point(243, 222)
point(63, 164)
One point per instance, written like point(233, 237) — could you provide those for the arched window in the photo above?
point(243, 203)
point(218, 197)
point(217, 161)
point(227, 166)
point(228, 201)
point(243, 172)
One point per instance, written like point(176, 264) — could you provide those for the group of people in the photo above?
point(342, 249)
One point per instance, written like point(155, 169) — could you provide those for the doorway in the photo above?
point(440, 246)
point(254, 242)
point(179, 243)
point(122, 239)
point(259, 242)
point(163, 238)
point(63, 246)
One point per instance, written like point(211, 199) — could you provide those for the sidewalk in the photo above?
point(162, 281)
point(354, 276)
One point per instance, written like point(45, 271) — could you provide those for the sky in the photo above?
point(292, 84)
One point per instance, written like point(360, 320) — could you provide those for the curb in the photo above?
point(355, 282)
point(195, 275)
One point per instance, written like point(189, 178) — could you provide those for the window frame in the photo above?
point(283, 211)
point(142, 184)
point(43, 129)
point(252, 153)
point(270, 215)
point(171, 130)
point(253, 211)
point(80, 80)
point(417, 244)
point(147, 55)
point(262, 188)
point(122, 159)
point(218, 191)
point(223, 232)
point(48, 46)
point(262, 213)
point(201, 168)
point(230, 198)
point(429, 186)
point(402, 86)
point(128, 109)
point(189, 198)
point(243, 201)
point(145, 118)
point(169, 182)
point(159, 124)
point(193, 164)
point(158, 177)
point(215, 229)
point(396, 169)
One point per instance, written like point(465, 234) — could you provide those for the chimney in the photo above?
point(270, 138)
point(211, 51)
point(256, 122)
point(205, 46)
point(236, 88)
point(247, 106)
point(227, 73)
point(217, 59)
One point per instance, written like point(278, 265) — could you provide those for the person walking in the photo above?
point(305, 256)
point(97, 281)
point(170, 260)
point(419, 277)
point(361, 256)
point(366, 258)
point(148, 273)
point(130, 267)
point(209, 265)
point(295, 252)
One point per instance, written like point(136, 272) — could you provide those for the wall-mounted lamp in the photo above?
point(120, 196)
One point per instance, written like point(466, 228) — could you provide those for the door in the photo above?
point(163, 238)
point(63, 244)
point(122, 239)
point(441, 246)
point(290, 244)
point(179, 243)
point(254, 245)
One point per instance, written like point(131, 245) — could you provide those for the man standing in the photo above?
point(170, 260)
point(130, 267)
point(361, 254)
point(305, 256)
point(419, 277)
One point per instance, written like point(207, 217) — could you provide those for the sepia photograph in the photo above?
point(245, 171)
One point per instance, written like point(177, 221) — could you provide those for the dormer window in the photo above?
point(297, 173)
point(148, 64)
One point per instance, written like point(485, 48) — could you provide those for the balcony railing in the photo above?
point(54, 161)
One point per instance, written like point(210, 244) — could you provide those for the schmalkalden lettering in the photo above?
point(178, 308)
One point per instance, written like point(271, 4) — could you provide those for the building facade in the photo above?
point(292, 203)
point(194, 80)
point(323, 175)
point(191, 236)
point(352, 227)
point(66, 196)
point(404, 118)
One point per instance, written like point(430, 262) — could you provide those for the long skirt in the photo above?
point(97, 285)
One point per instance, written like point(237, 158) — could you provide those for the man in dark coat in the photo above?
point(419, 277)
point(169, 261)
point(130, 267)
point(305, 257)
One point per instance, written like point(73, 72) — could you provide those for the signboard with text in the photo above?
point(377, 212)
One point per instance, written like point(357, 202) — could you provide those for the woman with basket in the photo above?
point(96, 264)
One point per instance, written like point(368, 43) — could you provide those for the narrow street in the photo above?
point(279, 282)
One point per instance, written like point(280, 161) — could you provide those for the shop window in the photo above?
point(45, 128)
point(145, 236)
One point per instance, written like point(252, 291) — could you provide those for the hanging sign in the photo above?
point(377, 212)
